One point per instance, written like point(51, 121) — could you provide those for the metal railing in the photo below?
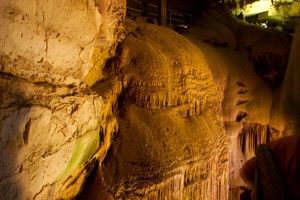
point(174, 17)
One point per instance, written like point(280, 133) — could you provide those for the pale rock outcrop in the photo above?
point(48, 41)
point(48, 135)
point(112, 30)
point(111, 33)
point(53, 41)
point(52, 132)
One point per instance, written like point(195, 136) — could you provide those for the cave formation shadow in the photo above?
point(10, 187)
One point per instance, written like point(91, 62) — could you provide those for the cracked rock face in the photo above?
point(45, 139)
point(48, 41)
point(111, 33)
point(52, 131)
point(53, 41)
point(152, 123)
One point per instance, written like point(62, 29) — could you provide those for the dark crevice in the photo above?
point(241, 115)
point(241, 84)
point(270, 67)
point(92, 169)
point(241, 101)
point(26, 132)
point(242, 91)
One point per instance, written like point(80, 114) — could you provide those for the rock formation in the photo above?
point(49, 137)
point(250, 101)
point(171, 141)
point(152, 116)
point(48, 41)
point(50, 122)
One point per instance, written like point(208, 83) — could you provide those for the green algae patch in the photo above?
point(84, 149)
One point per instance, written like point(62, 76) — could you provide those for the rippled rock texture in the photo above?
point(171, 140)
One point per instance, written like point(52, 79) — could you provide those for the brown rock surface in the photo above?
point(250, 106)
point(168, 117)
point(171, 140)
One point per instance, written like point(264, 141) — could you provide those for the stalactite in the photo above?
point(196, 180)
point(254, 134)
point(241, 115)
point(189, 102)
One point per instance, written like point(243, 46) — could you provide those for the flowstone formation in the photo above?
point(50, 122)
point(171, 140)
point(236, 55)
point(146, 124)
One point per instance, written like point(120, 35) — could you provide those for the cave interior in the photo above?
point(140, 99)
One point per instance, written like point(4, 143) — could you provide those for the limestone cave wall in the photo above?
point(250, 100)
point(49, 120)
point(171, 140)
point(56, 128)
point(91, 108)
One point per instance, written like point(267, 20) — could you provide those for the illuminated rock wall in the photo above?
point(48, 140)
point(48, 41)
point(49, 121)
point(250, 100)
point(152, 121)
point(171, 140)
